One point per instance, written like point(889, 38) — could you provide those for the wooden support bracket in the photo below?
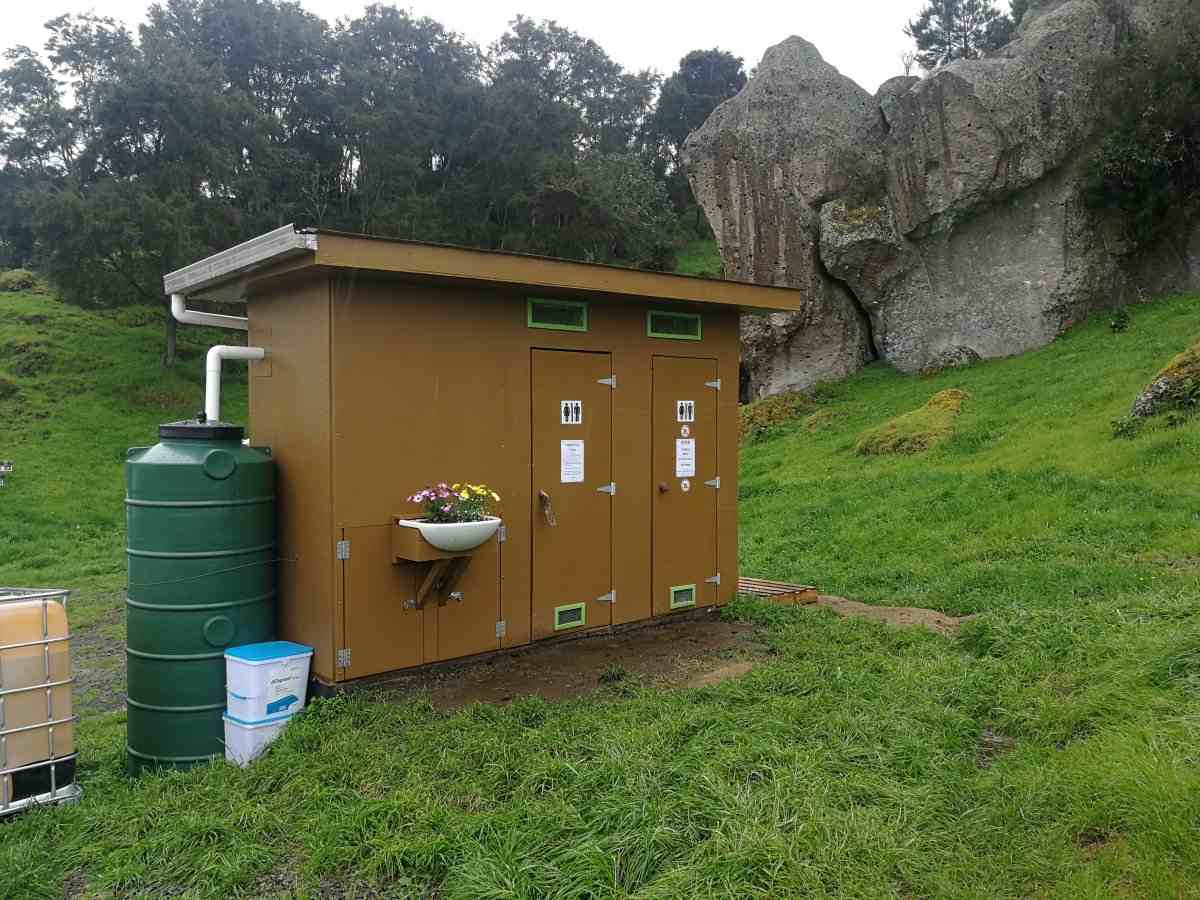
point(440, 578)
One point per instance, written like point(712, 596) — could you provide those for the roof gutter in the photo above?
point(237, 262)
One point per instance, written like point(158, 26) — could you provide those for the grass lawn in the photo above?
point(857, 761)
point(699, 257)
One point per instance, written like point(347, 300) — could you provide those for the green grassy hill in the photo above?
point(1049, 751)
point(77, 389)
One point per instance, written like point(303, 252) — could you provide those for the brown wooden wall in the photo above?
point(290, 413)
point(379, 386)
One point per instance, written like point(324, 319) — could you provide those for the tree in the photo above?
point(946, 30)
point(704, 80)
point(122, 159)
point(907, 60)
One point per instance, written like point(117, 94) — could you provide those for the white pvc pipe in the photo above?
point(212, 374)
point(186, 316)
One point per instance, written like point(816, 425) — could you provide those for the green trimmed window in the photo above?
point(557, 315)
point(674, 326)
point(683, 595)
point(573, 615)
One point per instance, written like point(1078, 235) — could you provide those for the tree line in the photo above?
point(124, 157)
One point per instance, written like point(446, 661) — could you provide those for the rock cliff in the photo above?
point(936, 222)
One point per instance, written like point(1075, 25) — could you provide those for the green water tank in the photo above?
point(200, 526)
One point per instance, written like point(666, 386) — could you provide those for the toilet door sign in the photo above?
point(685, 457)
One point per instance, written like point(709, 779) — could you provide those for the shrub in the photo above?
point(916, 431)
point(17, 280)
point(1126, 427)
point(138, 316)
point(1119, 321)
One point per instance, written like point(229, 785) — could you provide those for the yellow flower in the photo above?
point(465, 495)
point(495, 496)
point(455, 486)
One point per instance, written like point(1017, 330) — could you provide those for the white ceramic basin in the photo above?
point(454, 537)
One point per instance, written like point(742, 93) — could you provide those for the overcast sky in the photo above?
point(863, 38)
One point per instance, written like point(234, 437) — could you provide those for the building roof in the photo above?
point(229, 275)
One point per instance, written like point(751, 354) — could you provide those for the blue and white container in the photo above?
point(245, 742)
point(266, 682)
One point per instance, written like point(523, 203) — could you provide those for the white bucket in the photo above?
point(246, 741)
point(266, 682)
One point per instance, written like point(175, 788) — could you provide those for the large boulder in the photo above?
point(799, 134)
point(940, 219)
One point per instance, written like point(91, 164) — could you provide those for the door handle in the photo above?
point(663, 487)
point(547, 508)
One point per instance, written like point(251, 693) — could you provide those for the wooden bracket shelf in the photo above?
point(439, 580)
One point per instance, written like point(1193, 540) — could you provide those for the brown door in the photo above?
point(382, 632)
point(468, 610)
point(572, 491)
point(684, 483)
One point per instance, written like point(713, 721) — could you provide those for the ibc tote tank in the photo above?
point(36, 719)
point(200, 519)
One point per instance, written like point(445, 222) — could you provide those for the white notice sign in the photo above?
point(685, 457)
point(571, 461)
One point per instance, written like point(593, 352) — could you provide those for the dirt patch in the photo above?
point(897, 616)
point(723, 673)
point(691, 653)
point(98, 663)
point(990, 746)
point(1091, 841)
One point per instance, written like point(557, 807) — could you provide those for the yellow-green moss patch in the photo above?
point(915, 431)
point(820, 420)
point(761, 417)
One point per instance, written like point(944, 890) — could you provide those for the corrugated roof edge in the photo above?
point(274, 246)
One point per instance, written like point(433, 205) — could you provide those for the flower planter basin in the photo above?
point(454, 537)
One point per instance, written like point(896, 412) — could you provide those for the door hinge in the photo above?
point(714, 483)
point(501, 629)
point(343, 549)
point(716, 385)
point(716, 579)
point(501, 534)
point(611, 381)
point(610, 597)
point(610, 488)
point(343, 658)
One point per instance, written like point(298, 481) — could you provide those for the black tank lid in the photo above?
point(200, 429)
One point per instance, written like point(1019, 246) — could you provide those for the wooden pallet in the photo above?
point(778, 591)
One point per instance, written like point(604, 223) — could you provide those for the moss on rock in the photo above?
point(1176, 387)
point(916, 431)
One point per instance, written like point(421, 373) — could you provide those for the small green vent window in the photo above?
point(676, 326)
point(683, 595)
point(558, 315)
point(571, 616)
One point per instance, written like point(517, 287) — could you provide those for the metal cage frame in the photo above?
point(68, 793)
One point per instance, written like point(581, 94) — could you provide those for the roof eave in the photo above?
point(236, 262)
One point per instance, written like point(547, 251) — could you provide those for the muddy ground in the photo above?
point(682, 653)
